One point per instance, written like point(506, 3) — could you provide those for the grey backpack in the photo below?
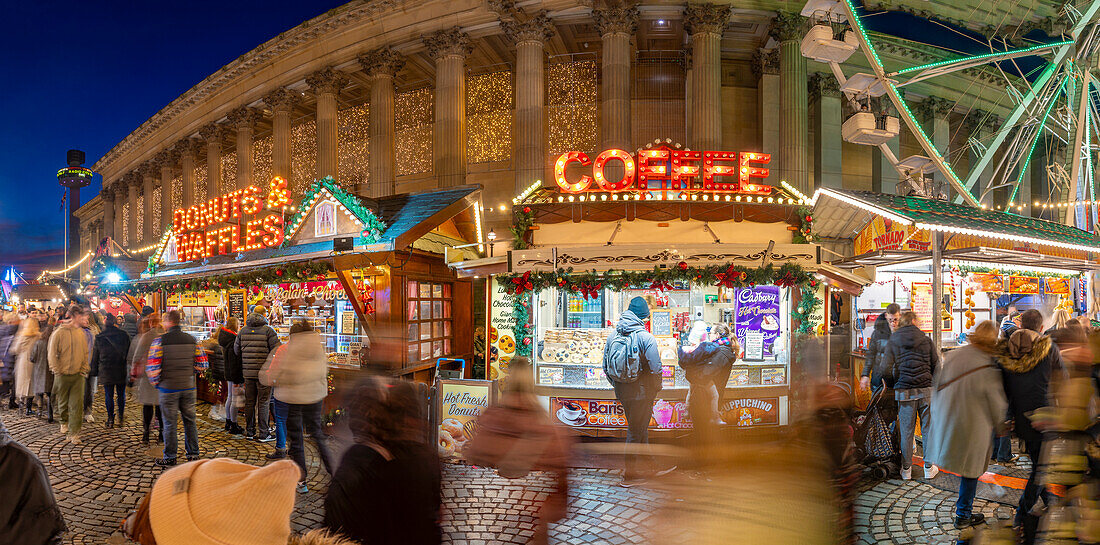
point(621, 359)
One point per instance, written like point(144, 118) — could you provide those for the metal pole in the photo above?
point(937, 289)
point(66, 213)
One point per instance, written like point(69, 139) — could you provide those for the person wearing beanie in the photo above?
point(630, 345)
point(253, 344)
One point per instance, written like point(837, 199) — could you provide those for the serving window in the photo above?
point(430, 322)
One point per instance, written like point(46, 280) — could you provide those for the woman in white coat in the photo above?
point(968, 405)
point(21, 348)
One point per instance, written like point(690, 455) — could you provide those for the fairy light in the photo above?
point(489, 117)
point(156, 208)
point(527, 191)
point(571, 106)
point(200, 188)
point(477, 221)
point(125, 224)
point(353, 145)
point(262, 164)
point(67, 269)
point(229, 172)
point(303, 169)
point(861, 205)
point(979, 57)
point(794, 191)
point(177, 191)
point(1005, 236)
point(413, 131)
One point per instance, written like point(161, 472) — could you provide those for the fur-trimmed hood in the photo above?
point(319, 537)
point(1022, 351)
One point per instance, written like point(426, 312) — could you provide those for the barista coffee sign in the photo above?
point(234, 222)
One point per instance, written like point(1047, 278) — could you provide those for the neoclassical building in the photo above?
point(397, 96)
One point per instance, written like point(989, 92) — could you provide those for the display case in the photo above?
point(569, 345)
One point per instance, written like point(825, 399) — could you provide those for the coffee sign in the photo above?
point(609, 413)
point(674, 169)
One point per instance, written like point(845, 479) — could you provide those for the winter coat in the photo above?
point(386, 500)
point(109, 356)
point(254, 342)
point(649, 371)
point(129, 324)
point(28, 513)
point(42, 381)
point(233, 371)
point(298, 371)
point(709, 361)
point(7, 359)
point(874, 366)
point(965, 412)
point(215, 357)
point(911, 358)
point(1027, 359)
point(24, 367)
point(68, 351)
point(144, 390)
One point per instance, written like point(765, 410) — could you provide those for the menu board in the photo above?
point(235, 301)
point(1023, 284)
point(989, 282)
point(757, 321)
point(920, 300)
point(1058, 286)
point(609, 413)
point(661, 323)
point(501, 345)
point(460, 404)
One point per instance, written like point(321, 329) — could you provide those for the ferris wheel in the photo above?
point(1054, 105)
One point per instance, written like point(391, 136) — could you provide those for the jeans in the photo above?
point(69, 391)
point(1002, 448)
point(911, 403)
point(967, 488)
point(257, 397)
point(110, 393)
point(147, 412)
point(280, 424)
point(1032, 492)
point(310, 417)
point(230, 403)
point(638, 409)
point(90, 386)
point(173, 404)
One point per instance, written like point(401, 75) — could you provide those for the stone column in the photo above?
point(704, 23)
point(107, 195)
point(213, 134)
point(828, 146)
point(149, 173)
point(134, 181)
point(326, 84)
point(616, 26)
point(934, 112)
point(381, 65)
point(449, 48)
point(188, 149)
point(766, 67)
point(529, 128)
point(166, 160)
point(282, 101)
point(244, 119)
point(794, 161)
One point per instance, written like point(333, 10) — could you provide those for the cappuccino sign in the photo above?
point(757, 321)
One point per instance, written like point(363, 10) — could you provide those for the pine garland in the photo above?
point(805, 232)
point(277, 274)
point(522, 222)
point(372, 226)
point(521, 330)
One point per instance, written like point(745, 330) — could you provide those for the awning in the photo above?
point(842, 214)
point(979, 255)
point(486, 266)
point(853, 284)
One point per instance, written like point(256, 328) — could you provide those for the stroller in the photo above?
point(878, 445)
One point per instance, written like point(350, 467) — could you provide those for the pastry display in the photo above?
point(453, 436)
point(575, 346)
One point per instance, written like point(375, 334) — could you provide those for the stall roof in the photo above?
point(37, 292)
point(408, 217)
point(834, 218)
point(978, 255)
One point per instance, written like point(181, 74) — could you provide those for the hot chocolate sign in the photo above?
point(234, 222)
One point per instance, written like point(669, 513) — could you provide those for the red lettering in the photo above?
point(273, 226)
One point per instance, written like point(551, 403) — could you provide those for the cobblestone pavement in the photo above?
point(98, 482)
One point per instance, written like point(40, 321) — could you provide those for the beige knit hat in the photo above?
point(223, 502)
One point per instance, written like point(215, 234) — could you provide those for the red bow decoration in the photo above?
point(730, 278)
point(786, 280)
point(590, 291)
point(660, 285)
point(523, 283)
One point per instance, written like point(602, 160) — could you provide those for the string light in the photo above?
point(979, 57)
point(126, 224)
point(177, 191)
point(477, 221)
point(353, 145)
point(158, 212)
point(1018, 238)
point(527, 191)
point(200, 186)
point(146, 249)
point(229, 172)
point(303, 147)
point(139, 217)
point(262, 164)
point(67, 269)
point(571, 106)
point(413, 121)
point(489, 117)
point(794, 191)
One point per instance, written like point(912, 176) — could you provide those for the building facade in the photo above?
point(396, 96)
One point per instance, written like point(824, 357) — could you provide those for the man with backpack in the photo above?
point(632, 364)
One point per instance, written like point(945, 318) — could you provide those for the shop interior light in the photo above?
point(794, 191)
point(112, 278)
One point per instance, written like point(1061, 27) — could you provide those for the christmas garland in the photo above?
point(522, 221)
point(805, 233)
point(808, 303)
point(279, 274)
point(521, 328)
point(372, 226)
point(979, 269)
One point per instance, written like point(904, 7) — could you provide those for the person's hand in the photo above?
point(864, 383)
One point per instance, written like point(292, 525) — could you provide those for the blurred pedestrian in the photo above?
point(234, 374)
point(874, 370)
point(130, 324)
point(22, 346)
point(968, 407)
point(29, 514)
point(69, 357)
point(299, 375)
point(42, 380)
point(632, 363)
point(144, 391)
point(1027, 358)
point(92, 328)
point(110, 365)
point(9, 327)
point(707, 367)
point(912, 360)
point(386, 490)
point(216, 358)
point(174, 358)
point(254, 342)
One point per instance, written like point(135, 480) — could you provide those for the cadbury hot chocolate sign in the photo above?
point(757, 321)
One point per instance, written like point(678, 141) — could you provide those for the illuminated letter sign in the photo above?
point(199, 232)
point(664, 168)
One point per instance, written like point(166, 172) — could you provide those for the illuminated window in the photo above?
point(430, 326)
point(303, 153)
point(571, 104)
point(324, 219)
point(353, 139)
point(489, 117)
point(413, 121)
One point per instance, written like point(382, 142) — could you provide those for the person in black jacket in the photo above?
point(707, 367)
point(109, 363)
point(1027, 359)
point(234, 374)
point(254, 342)
point(29, 514)
point(873, 370)
point(130, 324)
point(912, 360)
